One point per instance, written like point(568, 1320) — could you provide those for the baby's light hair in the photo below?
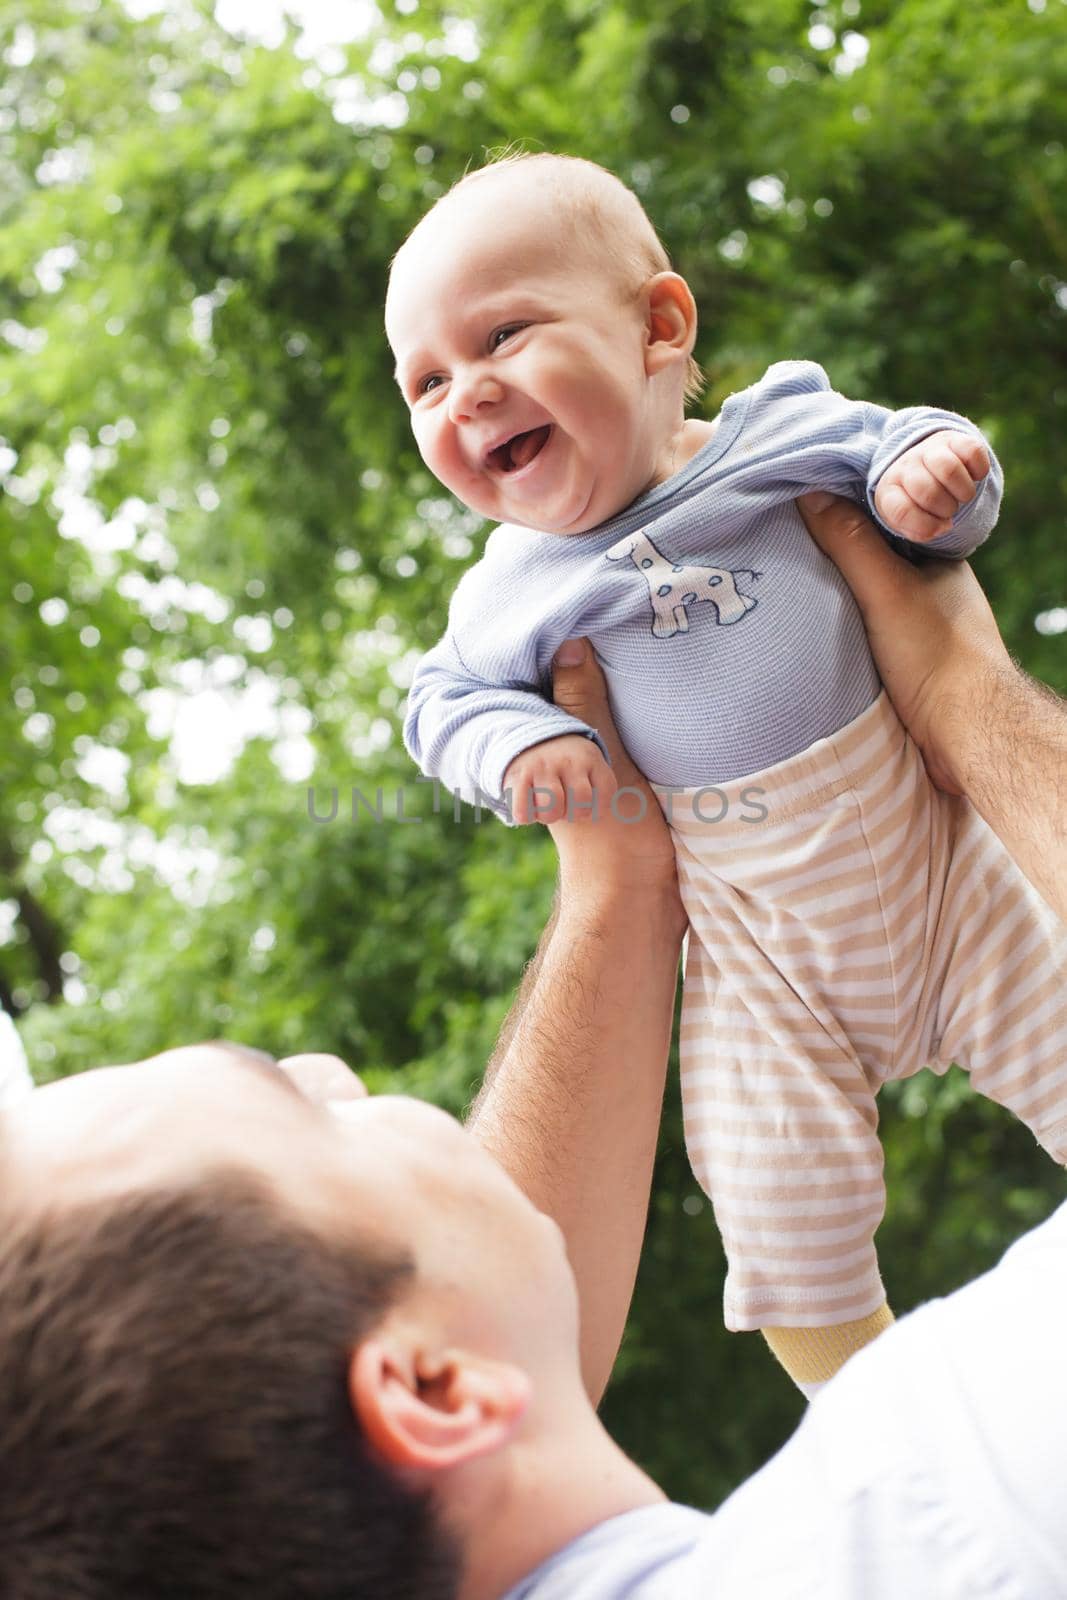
point(600, 209)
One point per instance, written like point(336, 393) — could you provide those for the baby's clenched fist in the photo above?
point(561, 779)
point(919, 495)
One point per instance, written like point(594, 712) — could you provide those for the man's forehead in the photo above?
point(76, 1138)
point(188, 1114)
point(115, 1127)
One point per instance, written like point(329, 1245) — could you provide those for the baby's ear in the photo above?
point(671, 321)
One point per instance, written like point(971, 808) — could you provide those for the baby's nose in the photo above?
point(470, 392)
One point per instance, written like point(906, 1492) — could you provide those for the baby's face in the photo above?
point(523, 367)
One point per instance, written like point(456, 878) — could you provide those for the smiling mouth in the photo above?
point(519, 451)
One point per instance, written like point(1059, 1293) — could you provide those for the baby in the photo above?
point(543, 345)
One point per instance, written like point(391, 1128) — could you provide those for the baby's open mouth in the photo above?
point(519, 451)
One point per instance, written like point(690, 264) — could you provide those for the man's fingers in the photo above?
point(578, 687)
point(848, 536)
point(631, 847)
point(831, 519)
point(890, 592)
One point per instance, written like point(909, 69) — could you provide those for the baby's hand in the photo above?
point(919, 495)
point(565, 778)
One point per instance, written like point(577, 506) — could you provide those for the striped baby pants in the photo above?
point(849, 924)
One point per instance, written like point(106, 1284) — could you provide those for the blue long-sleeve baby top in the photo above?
point(729, 642)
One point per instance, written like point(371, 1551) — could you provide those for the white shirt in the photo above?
point(933, 1467)
point(15, 1080)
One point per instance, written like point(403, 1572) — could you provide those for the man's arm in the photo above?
point(572, 1096)
point(984, 727)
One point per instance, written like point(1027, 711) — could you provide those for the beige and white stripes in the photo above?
point(849, 924)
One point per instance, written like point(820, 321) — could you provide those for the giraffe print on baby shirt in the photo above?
point(672, 587)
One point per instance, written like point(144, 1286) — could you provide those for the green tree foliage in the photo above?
point(211, 494)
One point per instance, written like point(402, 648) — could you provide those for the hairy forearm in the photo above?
point(1009, 735)
point(572, 1097)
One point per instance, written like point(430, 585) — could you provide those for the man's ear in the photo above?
point(671, 321)
point(430, 1411)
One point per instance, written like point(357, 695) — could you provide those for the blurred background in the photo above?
point(221, 554)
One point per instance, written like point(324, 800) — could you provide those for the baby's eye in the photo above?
point(426, 385)
point(498, 335)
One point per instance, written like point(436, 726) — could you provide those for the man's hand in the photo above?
point(985, 729)
point(932, 633)
point(561, 778)
point(921, 492)
point(629, 847)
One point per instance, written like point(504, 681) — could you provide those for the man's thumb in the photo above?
point(571, 653)
point(817, 501)
point(577, 685)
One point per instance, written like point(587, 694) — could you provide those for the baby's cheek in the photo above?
point(442, 458)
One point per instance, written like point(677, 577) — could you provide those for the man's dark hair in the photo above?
point(174, 1412)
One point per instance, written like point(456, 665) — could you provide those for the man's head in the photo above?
point(251, 1348)
point(542, 342)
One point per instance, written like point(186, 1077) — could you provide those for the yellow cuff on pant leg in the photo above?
point(811, 1355)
